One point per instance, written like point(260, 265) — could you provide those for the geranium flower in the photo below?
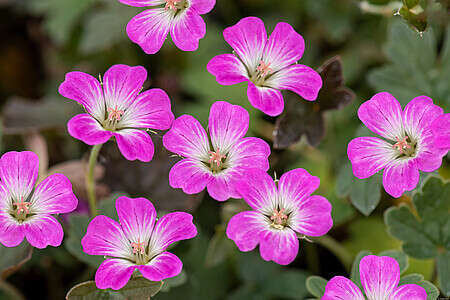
point(409, 146)
point(217, 163)
point(380, 276)
point(26, 208)
point(268, 65)
point(441, 132)
point(281, 209)
point(182, 18)
point(116, 108)
point(138, 242)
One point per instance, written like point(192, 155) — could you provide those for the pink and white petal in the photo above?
point(300, 79)
point(222, 186)
point(189, 175)
point(137, 217)
point(187, 29)
point(105, 236)
point(11, 233)
point(369, 155)
point(86, 129)
point(295, 186)
point(428, 156)
point(400, 176)
point(248, 38)
point(268, 100)
point(227, 69)
point(244, 229)
point(419, 114)
point(54, 195)
point(187, 138)
point(114, 273)
point(280, 246)
point(341, 288)
point(227, 124)
point(203, 6)
point(383, 115)
point(42, 231)
point(285, 47)
point(171, 228)
point(142, 3)
point(408, 292)
point(86, 90)
point(135, 144)
point(249, 153)
point(149, 29)
point(441, 132)
point(19, 172)
point(164, 265)
point(312, 216)
point(379, 276)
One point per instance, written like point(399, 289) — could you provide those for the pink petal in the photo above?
point(11, 233)
point(244, 229)
point(43, 230)
point(247, 38)
point(258, 190)
point(369, 155)
point(296, 185)
point(85, 128)
point(419, 114)
point(227, 69)
point(189, 175)
point(249, 152)
point(409, 292)
point(285, 47)
point(137, 217)
point(312, 217)
point(164, 265)
point(441, 132)
point(187, 29)
point(54, 195)
point(300, 79)
point(142, 3)
point(135, 144)
point(149, 29)
point(187, 138)
point(379, 276)
point(400, 176)
point(86, 90)
point(280, 246)
point(203, 6)
point(341, 288)
point(223, 186)
point(227, 124)
point(428, 156)
point(382, 114)
point(114, 273)
point(268, 100)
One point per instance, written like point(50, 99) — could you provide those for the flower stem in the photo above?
point(90, 179)
point(337, 249)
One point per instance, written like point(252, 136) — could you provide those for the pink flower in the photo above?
point(138, 242)
point(116, 108)
point(281, 210)
point(380, 276)
point(268, 65)
point(409, 146)
point(26, 208)
point(182, 18)
point(216, 163)
point(441, 132)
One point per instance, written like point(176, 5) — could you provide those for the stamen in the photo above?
point(115, 114)
point(401, 144)
point(279, 217)
point(216, 157)
point(171, 4)
point(22, 207)
point(138, 247)
point(263, 69)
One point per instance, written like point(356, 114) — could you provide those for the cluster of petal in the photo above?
point(289, 203)
point(380, 276)
point(116, 108)
point(181, 18)
point(441, 132)
point(138, 242)
point(404, 132)
point(227, 126)
point(267, 64)
point(26, 208)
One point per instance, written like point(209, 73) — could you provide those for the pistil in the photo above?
point(141, 258)
point(263, 69)
point(279, 218)
point(115, 114)
point(215, 159)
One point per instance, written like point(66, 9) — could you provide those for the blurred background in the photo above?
point(407, 54)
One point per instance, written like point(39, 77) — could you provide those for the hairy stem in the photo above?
point(337, 249)
point(90, 179)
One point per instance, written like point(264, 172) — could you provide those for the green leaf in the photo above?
point(13, 258)
point(316, 286)
point(432, 291)
point(288, 284)
point(443, 270)
point(173, 282)
point(354, 275)
point(220, 246)
point(399, 256)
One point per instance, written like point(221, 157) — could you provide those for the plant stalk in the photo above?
point(90, 179)
point(337, 249)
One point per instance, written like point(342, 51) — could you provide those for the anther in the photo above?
point(216, 157)
point(263, 69)
point(115, 113)
point(401, 144)
point(22, 207)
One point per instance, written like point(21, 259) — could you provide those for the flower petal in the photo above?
point(227, 124)
point(222, 186)
point(244, 229)
point(280, 246)
point(11, 233)
point(114, 273)
point(142, 3)
point(43, 230)
point(441, 132)
point(369, 155)
point(149, 29)
point(295, 186)
point(258, 190)
point(249, 152)
point(382, 114)
point(300, 79)
point(227, 69)
point(247, 38)
point(312, 217)
point(428, 156)
point(86, 129)
point(268, 100)
point(189, 175)
point(419, 114)
point(400, 176)
point(285, 47)
point(187, 29)
point(135, 144)
point(408, 292)
point(164, 265)
point(379, 275)
point(341, 288)
point(203, 6)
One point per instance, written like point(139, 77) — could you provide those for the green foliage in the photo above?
point(432, 291)
point(316, 286)
point(13, 258)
